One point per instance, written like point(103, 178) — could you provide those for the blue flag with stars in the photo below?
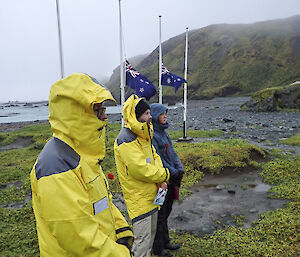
point(142, 86)
point(170, 79)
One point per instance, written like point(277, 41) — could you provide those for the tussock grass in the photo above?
point(196, 133)
point(293, 140)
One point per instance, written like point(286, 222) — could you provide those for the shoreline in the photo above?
point(11, 126)
point(218, 113)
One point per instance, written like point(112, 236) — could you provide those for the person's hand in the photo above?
point(177, 177)
point(126, 241)
point(180, 174)
point(164, 186)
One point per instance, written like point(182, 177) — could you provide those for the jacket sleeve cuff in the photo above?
point(124, 232)
point(167, 175)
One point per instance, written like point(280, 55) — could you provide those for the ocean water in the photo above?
point(18, 112)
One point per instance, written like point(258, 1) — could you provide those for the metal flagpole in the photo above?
point(160, 63)
point(185, 84)
point(122, 85)
point(60, 41)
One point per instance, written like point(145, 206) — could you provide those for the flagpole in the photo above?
point(185, 84)
point(122, 85)
point(59, 41)
point(160, 63)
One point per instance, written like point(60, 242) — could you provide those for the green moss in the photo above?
point(39, 133)
point(294, 140)
point(266, 93)
point(285, 174)
point(196, 133)
point(215, 156)
point(18, 233)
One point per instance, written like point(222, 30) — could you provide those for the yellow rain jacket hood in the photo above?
point(72, 117)
point(139, 167)
point(70, 194)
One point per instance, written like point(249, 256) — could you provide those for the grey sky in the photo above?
point(29, 61)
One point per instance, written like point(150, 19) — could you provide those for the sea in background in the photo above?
point(18, 112)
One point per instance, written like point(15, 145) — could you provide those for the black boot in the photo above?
point(164, 253)
point(172, 247)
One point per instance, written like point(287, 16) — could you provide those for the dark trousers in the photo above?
point(162, 232)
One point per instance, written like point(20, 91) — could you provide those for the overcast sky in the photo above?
point(29, 55)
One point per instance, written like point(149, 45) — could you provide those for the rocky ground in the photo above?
point(262, 128)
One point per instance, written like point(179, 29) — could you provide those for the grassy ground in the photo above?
point(276, 233)
point(294, 140)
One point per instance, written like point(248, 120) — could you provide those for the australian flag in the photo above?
point(142, 86)
point(170, 79)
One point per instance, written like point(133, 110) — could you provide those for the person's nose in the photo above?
point(103, 116)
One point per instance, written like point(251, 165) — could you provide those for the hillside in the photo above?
point(227, 59)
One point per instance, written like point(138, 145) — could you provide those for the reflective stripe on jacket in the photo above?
point(138, 165)
point(70, 195)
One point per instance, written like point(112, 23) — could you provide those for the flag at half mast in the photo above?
point(170, 79)
point(142, 86)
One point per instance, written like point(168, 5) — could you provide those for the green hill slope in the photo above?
point(229, 59)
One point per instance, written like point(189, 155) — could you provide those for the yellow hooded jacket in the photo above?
point(70, 195)
point(139, 166)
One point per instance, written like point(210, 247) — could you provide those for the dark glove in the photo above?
point(126, 241)
point(177, 177)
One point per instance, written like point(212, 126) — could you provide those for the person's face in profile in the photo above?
point(99, 111)
point(162, 119)
point(145, 117)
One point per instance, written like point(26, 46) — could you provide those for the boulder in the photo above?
point(274, 99)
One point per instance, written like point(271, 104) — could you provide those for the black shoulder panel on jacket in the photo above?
point(126, 136)
point(56, 157)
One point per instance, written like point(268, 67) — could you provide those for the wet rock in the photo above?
point(220, 187)
point(27, 104)
point(253, 210)
point(17, 184)
point(226, 120)
point(197, 211)
point(230, 223)
point(233, 129)
point(231, 191)
point(2, 186)
point(270, 100)
point(182, 218)
point(16, 205)
point(20, 142)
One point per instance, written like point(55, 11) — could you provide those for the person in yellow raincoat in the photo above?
point(70, 194)
point(140, 170)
